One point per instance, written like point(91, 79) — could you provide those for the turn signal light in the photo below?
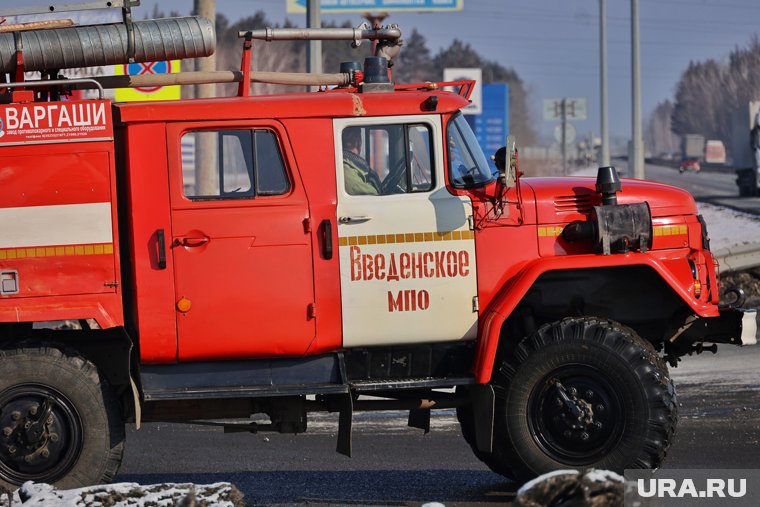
point(184, 305)
point(697, 288)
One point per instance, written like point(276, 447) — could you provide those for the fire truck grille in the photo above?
point(574, 203)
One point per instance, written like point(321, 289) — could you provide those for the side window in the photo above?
point(270, 173)
point(468, 167)
point(232, 164)
point(387, 159)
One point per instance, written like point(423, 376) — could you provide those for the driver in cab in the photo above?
point(359, 177)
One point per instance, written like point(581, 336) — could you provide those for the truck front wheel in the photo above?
point(583, 392)
point(59, 421)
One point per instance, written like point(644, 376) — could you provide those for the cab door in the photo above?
point(240, 243)
point(407, 250)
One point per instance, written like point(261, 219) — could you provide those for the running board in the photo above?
point(243, 379)
point(367, 386)
point(200, 393)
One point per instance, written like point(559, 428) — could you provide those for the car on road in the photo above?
point(689, 164)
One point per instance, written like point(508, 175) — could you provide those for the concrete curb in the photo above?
point(737, 258)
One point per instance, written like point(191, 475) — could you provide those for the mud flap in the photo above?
point(136, 398)
point(345, 421)
point(419, 418)
point(483, 400)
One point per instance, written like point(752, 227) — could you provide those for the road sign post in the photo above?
point(473, 74)
point(574, 108)
point(564, 109)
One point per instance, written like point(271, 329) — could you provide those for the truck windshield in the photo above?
point(468, 166)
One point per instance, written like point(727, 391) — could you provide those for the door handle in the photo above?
point(161, 243)
point(356, 219)
point(327, 245)
point(193, 242)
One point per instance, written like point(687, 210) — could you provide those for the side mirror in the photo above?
point(511, 176)
point(505, 159)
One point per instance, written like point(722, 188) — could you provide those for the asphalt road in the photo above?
point(394, 465)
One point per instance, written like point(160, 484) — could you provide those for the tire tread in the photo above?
point(107, 468)
point(617, 338)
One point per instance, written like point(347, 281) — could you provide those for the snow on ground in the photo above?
point(727, 227)
point(127, 494)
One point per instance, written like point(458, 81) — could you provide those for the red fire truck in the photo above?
point(338, 250)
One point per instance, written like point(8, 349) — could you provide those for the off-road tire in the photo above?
point(85, 418)
point(625, 377)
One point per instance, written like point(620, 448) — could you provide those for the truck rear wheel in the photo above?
point(583, 392)
point(59, 421)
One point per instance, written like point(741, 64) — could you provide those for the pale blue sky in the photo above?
point(553, 44)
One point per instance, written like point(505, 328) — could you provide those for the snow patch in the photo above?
point(728, 228)
point(603, 475)
point(128, 494)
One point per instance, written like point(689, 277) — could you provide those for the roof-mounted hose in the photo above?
point(93, 45)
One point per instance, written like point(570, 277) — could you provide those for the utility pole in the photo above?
point(314, 20)
point(637, 159)
point(206, 9)
point(563, 126)
point(206, 144)
point(605, 154)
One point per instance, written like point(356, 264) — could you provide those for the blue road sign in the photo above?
point(491, 126)
point(138, 69)
point(360, 6)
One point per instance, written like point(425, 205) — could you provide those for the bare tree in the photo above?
point(709, 92)
point(659, 136)
point(415, 63)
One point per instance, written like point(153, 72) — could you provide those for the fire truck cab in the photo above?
point(340, 250)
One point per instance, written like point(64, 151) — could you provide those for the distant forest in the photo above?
point(706, 96)
point(415, 63)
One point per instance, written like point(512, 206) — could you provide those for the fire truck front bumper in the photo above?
point(749, 327)
point(735, 326)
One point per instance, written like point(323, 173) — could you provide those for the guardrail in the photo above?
point(737, 258)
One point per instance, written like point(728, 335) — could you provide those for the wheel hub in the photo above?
point(576, 415)
point(40, 435)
